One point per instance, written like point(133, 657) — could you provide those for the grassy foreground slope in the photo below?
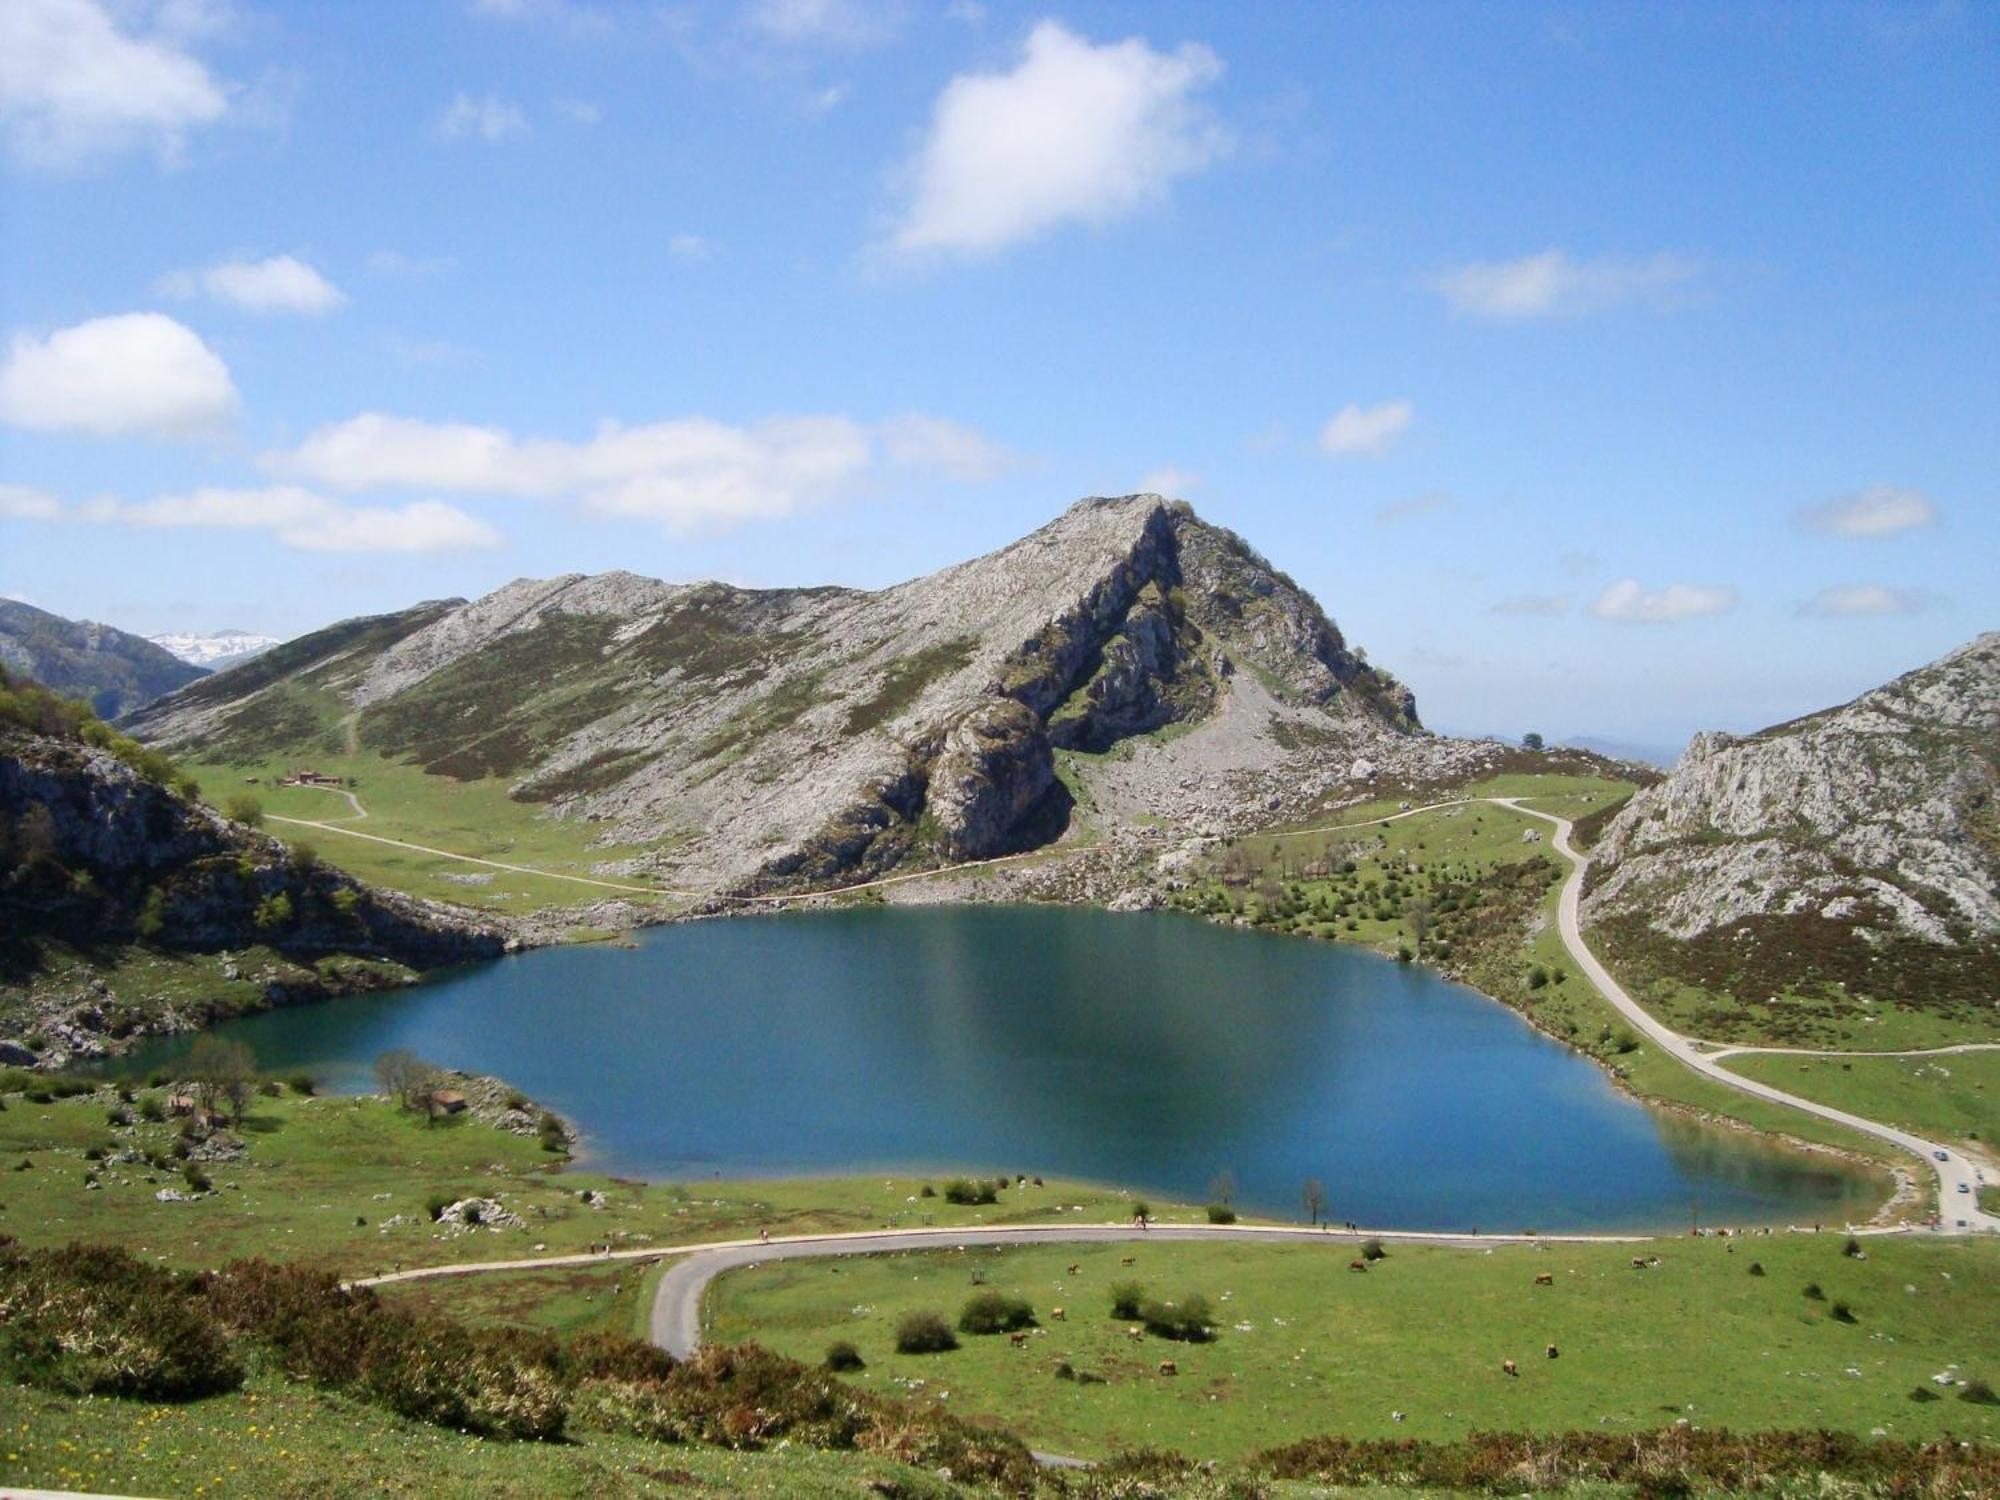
point(1305, 1345)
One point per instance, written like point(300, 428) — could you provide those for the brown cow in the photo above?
point(1168, 1367)
point(1127, 1260)
point(1018, 1340)
point(1135, 1332)
point(1058, 1315)
point(1074, 1268)
point(1545, 1278)
point(1357, 1265)
point(1507, 1367)
point(1553, 1351)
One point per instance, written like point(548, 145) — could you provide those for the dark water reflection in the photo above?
point(1146, 1049)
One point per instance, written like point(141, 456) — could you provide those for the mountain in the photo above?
point(1840, 847)
point(110, 670)
point(222, 649)
point(105, 853)
point(1128, 654)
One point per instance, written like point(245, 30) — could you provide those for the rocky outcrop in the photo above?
point(1877, 816)
point(763, 738)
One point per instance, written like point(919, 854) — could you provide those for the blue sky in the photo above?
point(1603, 369)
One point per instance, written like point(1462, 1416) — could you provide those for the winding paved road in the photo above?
point(1958, 1179)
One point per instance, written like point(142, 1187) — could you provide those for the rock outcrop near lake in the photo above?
point(1127, 659)
point(1845, 843)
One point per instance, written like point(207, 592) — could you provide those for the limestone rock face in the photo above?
point(995, 767)
point(759, 739)
point(1880, 813)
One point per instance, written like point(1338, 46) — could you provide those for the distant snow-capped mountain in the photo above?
point(221, 649)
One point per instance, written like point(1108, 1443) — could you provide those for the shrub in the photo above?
point(1221, 1213)
point(437, 1203)
point(196, 1179)
point(1925, 1393)
point(843, 1356)
point(1125, 1299)
point(1756, 1268)
point(995, 1312)
point(1842, 1313)
point(1372, 1250)
point(1979, 1393)
point(924, 1333)
point(1190, 1320)
point(270, 1088)
point(1537, 977)
point(1813, 1292)
point(95, 1321)
point(244, 808)
point(927, 1191)
point(964, 1191)
point(303, 1084)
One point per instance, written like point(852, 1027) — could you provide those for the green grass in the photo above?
point(314, 1166)
point(475, 818)
point(1307, 1346)
point(567, 1301)
point(1954, 1096)
point(275, 1438)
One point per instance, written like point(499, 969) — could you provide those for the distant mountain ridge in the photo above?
point(216, 650)
point(800, 736)
point(111, 670)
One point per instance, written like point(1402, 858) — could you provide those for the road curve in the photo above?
point(675, 1324)
point(1958, 1179)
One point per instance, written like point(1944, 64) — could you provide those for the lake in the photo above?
point(1151, 1050)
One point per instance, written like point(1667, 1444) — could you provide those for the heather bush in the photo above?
point(995, 1312)
point(924, 1333)
point(1126, 1296)
point(1190, 1320)
point(843, 1357)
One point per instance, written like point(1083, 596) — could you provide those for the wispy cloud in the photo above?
point(1532, 604)
point(489, 119)
point(1075, 133)
point(1627, 600)
point(294, 517)
point(1416, 505)
point(282, 283)
point(1552, 284)
point(690, 247)
point(1169, 481)
point(1879, 510)
point(1847, 599)
point(1366, 429)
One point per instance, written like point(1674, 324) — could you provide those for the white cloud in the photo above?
point(1879, 510)
point(1531, 604)
point(1075, 133)
point(74, 84)
point(1366, 429)
point(491, 119)
point(1552, 285)
point(20, 502)
point(836, 23)
point(135, 373)
point(689, 247)
point(281, 283)
point(1865, 599)
point(1626, 600)
point(395, 263)
point(1169, 481)
point(942, 446)
point(580, 111)
point(1416, 505)
point(309, 522)
point(688, 472)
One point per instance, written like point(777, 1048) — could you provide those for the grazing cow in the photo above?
point(1074, 1268)
point(1126, 1260)
point(1018, 1340)
point(1553, 1351)
point(1135, 1332)
point(1545, 1278)
point(1638, 1262)
point(1357, 1265)
point(1507, 1367)
point(1168, 1367)
point(1058, 1315)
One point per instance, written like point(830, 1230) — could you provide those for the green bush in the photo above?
point(303, 1084)
point(98, 1322)
point(995, 1312)
point(1190, 1320)
point(1221, 1213)
point(1125, 1299)
point(924, 1333)
point(196, 1179)
point(1372, 1250)
point(1813, 1292)
point(843, 1357)
point(963, 1191)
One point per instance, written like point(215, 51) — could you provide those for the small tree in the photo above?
point(1313, 1196)
point(224, 1074)
point(1531, 741)
point(244, 808)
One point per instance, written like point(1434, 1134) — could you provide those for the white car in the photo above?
point(1942, 1155)
point(1965, 1187)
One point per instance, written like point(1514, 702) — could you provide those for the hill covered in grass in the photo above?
point(110, 670)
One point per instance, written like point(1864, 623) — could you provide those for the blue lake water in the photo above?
point(1151, 1050)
